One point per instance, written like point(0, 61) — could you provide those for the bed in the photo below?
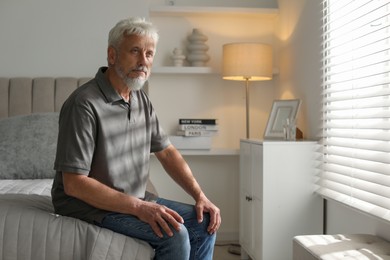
point(29, 228)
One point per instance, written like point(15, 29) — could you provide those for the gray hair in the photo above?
point(132, 25)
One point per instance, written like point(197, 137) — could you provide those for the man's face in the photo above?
point(133, 59)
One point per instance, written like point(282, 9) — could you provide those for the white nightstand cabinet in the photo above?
point(277, 200)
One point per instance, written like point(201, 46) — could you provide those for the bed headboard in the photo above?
point(22, 96)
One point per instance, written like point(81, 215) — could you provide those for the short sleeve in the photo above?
point(76, 138)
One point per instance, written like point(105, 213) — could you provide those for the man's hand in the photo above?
point(204, 205)
point(159, 217)
point(103, 197)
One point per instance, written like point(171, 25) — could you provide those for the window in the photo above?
point(356, 105)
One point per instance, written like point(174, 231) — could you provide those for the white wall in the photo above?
point(58, 38)
point(299, 63)
point(300, 76)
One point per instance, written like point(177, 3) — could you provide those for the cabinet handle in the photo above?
point(248, 198)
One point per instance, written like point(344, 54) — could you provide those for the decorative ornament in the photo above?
point(178, 57)
point(197, 49)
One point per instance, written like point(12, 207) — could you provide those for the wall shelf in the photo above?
point(209, 152)
point(196, 10)
point(192, 70)
point(183, 70)
point(214, 151)
point(166, 11)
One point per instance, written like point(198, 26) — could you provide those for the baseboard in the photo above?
point(227, 236)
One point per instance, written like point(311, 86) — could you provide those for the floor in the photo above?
point(221, 252)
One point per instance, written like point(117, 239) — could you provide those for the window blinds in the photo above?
point(356, 105)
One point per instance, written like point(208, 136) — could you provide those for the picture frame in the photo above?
point(281, 110)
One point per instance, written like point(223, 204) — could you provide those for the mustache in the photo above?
point(141, 68)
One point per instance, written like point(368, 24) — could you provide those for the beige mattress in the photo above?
point(30, 230)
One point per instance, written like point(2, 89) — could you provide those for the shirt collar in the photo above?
point(105, 86)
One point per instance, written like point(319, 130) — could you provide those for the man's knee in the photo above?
point(181, 238)
point(177, 246)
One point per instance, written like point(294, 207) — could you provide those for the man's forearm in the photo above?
point(175, 165)
point(99, 195)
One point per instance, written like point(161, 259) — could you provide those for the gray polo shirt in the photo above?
point(108, 139)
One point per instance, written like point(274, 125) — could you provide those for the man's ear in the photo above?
point(111, 55)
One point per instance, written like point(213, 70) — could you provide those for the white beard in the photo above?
point(132, 83)
point(135, 84)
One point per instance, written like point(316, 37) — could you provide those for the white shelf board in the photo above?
point(197, 10)
point(209, 152)
point(213, 151)
point(192, 70)
point(183, 70)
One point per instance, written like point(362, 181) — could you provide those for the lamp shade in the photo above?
point(247, 61)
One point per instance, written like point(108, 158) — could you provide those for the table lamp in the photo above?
point(247, 62)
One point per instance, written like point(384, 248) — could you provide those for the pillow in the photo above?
point(28, 146)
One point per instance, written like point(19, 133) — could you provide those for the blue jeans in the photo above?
point(191, 242)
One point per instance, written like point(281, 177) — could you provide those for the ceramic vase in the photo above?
point(178, 57)
point(197, 49)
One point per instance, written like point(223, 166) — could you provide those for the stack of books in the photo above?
point(194, 133)
point(197, 127)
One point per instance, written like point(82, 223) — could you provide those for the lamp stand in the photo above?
point(247, 106)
